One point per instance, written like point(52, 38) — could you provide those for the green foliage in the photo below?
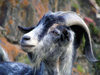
point(83, 42)
point(98, 64)
point(81, 48)
point(76, 6)
point(24, 59)
point(98, 2)
point(80, 68)
point(94, 30)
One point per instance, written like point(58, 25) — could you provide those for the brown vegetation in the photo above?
point(12, 50)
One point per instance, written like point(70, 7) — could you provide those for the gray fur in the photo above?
point(49, 51)
point(52, 44)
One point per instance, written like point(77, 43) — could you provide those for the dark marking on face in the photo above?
point(60, 20)
point(64, 30)
point(61, 34)
point(50, 21)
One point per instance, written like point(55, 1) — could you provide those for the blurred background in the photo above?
point(29, 12)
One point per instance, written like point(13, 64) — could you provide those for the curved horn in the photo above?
point(25, 29)
point(80, 28)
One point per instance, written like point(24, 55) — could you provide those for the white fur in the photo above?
point(33, 35)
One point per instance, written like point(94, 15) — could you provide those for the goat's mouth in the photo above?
point(27, 48)
point(27, 45)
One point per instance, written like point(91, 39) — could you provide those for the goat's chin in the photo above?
point(27, 49)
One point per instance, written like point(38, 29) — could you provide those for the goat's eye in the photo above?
point(55, 33)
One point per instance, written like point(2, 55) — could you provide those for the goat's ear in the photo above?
point(79, 32)
point(25, 29)
point(88, 49)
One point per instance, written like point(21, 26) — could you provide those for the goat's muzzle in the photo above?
point(24, 45)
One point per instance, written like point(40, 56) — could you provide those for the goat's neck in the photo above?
point(52, 67)
point(66, 61)
point(63, 64)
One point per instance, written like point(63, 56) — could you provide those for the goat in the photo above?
point(14, 68)
point(51, 44)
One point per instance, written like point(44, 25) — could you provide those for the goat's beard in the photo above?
point(44, 50)
point(40, 52)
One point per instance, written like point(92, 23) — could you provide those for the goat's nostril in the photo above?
point(26, 38)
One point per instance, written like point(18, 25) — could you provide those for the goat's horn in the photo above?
point(80, 28)
point(25, 29)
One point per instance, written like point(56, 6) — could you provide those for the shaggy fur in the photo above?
point(15, 68)
point(55, 53)
point(51, 45)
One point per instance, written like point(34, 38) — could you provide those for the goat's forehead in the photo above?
point(52, 27)
point(47, 23)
